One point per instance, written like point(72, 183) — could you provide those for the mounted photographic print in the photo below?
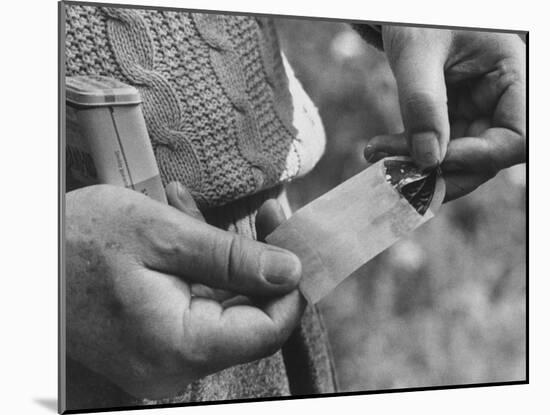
point(274, 207)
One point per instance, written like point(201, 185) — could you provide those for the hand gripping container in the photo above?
point(107, 140)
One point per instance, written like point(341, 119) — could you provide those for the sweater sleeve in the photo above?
point(372, 34)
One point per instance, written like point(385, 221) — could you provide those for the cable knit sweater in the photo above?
point(214, 89)
point(219, 114)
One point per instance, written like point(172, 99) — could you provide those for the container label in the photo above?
point(110, 144)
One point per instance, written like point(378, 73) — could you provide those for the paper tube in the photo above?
point(345, 228)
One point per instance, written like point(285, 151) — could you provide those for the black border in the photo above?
point(61, 213)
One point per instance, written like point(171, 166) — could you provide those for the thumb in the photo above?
point(417, 58)
point(184, 246)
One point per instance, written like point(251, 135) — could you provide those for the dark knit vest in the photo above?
point(219, 115)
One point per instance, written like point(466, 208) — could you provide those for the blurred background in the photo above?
point(446, 306)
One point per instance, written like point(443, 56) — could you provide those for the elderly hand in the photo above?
point(462, 97)
point(147, 290)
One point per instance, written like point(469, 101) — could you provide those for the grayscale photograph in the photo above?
point(263, 207)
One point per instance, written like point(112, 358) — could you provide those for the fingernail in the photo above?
point(369, 152)
point(280, 267)
point(426, 149)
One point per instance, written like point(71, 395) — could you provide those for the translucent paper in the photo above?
point(345, 228)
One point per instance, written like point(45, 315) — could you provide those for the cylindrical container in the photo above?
point(107, 140)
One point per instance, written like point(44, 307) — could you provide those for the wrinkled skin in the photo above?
point(152, 290)
point(462, 97)
point(157, 298)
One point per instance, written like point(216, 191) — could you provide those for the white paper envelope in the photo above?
point(346, 227)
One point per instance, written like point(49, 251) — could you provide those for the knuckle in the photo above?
point(242, 263)
point(424, 110)
point(423, 100)
point(195, 352)
point(509, 72)
point(419, 97)
point(159, 236)
point(228, 253)
point(197, 355)
point(395, 41)
point(232, 260)
point(402, 43)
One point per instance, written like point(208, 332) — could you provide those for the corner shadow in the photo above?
point(48, 403)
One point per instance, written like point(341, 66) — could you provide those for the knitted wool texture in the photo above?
point(215, 93)
point(219, 115)
point(302, 367)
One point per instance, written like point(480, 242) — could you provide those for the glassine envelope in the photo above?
point(346, 227)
